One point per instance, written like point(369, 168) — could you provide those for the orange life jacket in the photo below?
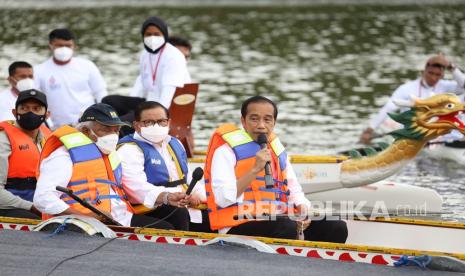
point(94, 173)
point(23, 160)
point(258, 199)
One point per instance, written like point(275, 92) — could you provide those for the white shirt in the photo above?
point(224, 183)
point(7, 103)
point(70, 88)
point(417, 88)
point(160, 74)
point(135, 180)
point(56, 170)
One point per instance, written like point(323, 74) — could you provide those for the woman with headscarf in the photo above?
point(163, 67)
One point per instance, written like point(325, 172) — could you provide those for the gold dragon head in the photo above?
point(429, 118)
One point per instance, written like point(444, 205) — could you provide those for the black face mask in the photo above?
point(29, 120)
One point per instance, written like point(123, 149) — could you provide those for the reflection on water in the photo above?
point(328, 67)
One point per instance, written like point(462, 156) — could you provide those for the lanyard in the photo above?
point(154, 70)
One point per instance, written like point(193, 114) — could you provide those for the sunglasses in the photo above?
point(437, 65)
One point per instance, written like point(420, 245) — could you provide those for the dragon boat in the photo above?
point(372, 238)
point(358, 178)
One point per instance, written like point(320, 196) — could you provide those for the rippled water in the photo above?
point(328, 67)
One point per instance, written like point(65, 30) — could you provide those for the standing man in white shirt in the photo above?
point(430, 83)
point(155, 162)
point(70, 83)
point(20, 78)
point(240, 199)
point(85, 161)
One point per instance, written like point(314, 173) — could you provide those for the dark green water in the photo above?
point(328, 67)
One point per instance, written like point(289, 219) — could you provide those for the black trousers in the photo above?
point(202, 227)
point(150, 222)
point(327, 231)
point(283, 228)
point(319, 230)
point(179, 219)
point(124, 106)
point(18, 213)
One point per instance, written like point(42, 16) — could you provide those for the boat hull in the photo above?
point(316, 173)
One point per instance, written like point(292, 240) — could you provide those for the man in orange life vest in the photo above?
point(235, 182)
point(84, 159)
point(20, 144)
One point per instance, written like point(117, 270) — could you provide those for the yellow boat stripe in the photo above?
point(296, 159)
point(296, 243)
point(421, 222)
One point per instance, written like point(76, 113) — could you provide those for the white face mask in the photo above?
point(154, 42)
point(63, 54)
point(155, 133)
point(25, 84)
point(106, 144)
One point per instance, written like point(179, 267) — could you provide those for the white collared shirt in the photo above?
point(160, 74)
point(416, 88)
point(224, 182)
point(7, 103)
point(70, 88)
point(135, 180)
point(56, 170)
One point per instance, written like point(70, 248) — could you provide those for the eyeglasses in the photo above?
point(149, 123)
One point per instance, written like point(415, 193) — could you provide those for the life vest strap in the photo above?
point(27, 183)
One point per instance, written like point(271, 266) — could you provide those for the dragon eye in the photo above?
point(450, 105)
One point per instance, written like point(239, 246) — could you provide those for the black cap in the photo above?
point(31, 94)
point(102, 113)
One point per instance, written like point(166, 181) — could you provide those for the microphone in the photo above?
point(262, 141)
point(196, 176)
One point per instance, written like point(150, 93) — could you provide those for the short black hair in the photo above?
point(17, 64)
point(149, 105)
point(64, 34)
point(258, 99)
point(180, 41)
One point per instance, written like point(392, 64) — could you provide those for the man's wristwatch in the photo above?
point(165, 198)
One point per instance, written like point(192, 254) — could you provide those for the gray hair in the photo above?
point(86, 124)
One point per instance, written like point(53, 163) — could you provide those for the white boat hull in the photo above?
point(394, 198)
point(406, 236)
point(441, 151)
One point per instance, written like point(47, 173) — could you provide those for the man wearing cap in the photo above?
point(70, 83)
point(430, 83)
point(84, 160)
point(20, 144)
point(20, 78)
